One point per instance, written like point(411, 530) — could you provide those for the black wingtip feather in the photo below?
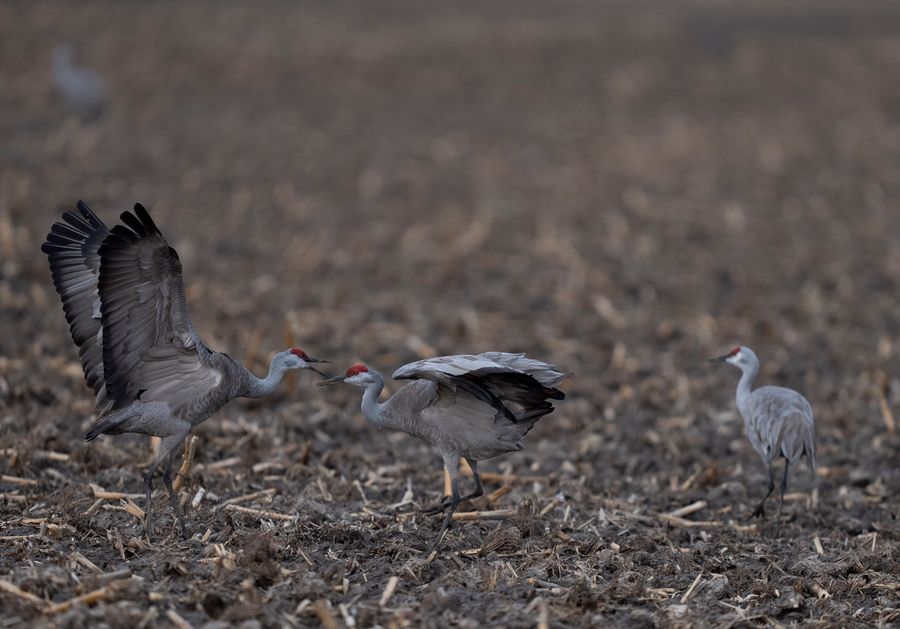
point(88, 213)
point(146, 219)
point(68, 232)
point(122, 232)
point(77, 222)
point(136, 225)
point(59, 239)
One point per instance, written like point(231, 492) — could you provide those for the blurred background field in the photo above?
point(621, 188)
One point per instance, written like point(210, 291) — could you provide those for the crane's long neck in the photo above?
point(744, 387)
point(261, 387)
point(371, 409)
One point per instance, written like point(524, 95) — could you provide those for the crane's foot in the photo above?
point(759, 512)
point(438, 508)
point(447, 519)
point(185, 530)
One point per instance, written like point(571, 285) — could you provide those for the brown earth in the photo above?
point(621, 188)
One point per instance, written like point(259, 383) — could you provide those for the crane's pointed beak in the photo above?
point(334, 380)
point(719, 359)
point(310, 359)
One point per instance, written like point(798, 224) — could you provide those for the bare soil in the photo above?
point(623, 189)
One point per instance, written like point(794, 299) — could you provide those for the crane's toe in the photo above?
point(759, 512)
point(438, 508)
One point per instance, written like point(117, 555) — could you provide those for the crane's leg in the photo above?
point(148, 482)
point(449, 500)
point(451, 462)
point(478, 489)
point(167, 479)
point(167, 448)
point(760, 510)
point(787, 465)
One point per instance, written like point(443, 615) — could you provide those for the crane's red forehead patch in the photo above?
point(734, 352)
point(355, 370)
point(296, 351)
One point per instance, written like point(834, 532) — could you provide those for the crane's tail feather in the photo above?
point(809, 450)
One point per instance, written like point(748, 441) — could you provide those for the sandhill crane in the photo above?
point(778, 421)
point(83, 90)
point(123, 297)
point(473, 406)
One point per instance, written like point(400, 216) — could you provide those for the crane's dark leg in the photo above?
point(444, 504)
point(148, 481)
point(478, 490)
point(452, 465)
point(787, 465)
point(760, 510)
point(167, 449)
point(167, 479)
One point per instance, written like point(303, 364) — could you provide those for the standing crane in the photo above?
point(778, 421)
point(83, 90)
point(123, 297)
point(472, 406)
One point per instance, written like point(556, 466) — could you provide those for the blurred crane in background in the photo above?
point(779, 421)
point(123, 296)
point(83, 90)
point(470, 406)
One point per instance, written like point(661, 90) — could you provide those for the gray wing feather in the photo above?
point(441, 367)
point(496, 379)
point(487, 362)
point(545, 373)
point(72, 248)
point(150, 348)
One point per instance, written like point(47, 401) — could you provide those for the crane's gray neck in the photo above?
point(749, 372)
point(62, 59)
point(371, 409)
point(261, 387)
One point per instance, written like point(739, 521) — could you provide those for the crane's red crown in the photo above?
point(355, 370)
point(734, 352)
point(296, 351)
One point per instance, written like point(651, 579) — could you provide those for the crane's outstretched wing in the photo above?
point(72, 247)
point(150, 349)
point(495, 378)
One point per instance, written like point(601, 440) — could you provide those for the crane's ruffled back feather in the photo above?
point(495, 378)
point(461, 364)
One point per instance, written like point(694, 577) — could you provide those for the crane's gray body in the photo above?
point(461, 404)
point(171, 409)
point(123, 296)
point(83, 90)
point(471, 406)
point(778, 421)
